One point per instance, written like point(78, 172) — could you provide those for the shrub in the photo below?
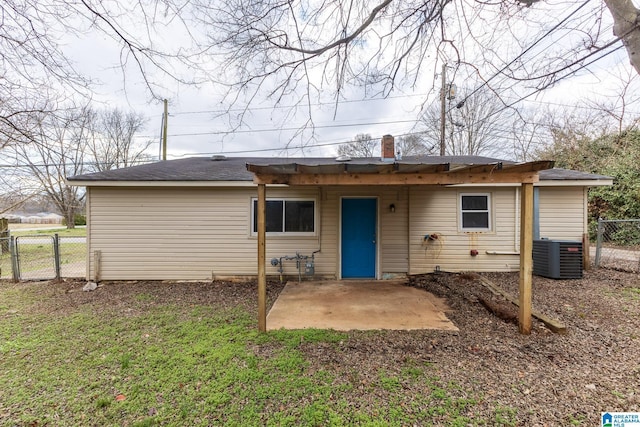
point(80, 219)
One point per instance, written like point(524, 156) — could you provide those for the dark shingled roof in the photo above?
point(189, 169)
point(235, 168)
point(558, 174)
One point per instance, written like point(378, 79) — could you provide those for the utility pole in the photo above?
point(164, 129)
point(443, 105)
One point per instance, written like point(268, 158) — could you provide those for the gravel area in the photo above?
point(543, 379)
point(550, 379)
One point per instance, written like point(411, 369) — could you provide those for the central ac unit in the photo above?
point(557, 259)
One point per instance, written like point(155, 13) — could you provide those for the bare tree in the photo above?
point(474, 127)
point(527, 139)
point(112, 143)
point(362, 146)
point(33, 63)
point(70, 142)
point(295, 52)
point(413, 145)
point(58, 150)
point(625, 17)
point(570, 133)
point(616, 104)
point(37, 72)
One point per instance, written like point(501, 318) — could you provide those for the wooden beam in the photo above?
point(395, 173)
point(262, 275)
point(526, 258)
point(271, 179)
point(423, 168)
point(450, 178)
point(286, 168)
point(501, 167)
point(529, 167)
point(473, 169)
point(554, 325)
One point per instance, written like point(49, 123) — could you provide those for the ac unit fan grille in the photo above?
point(557, 259)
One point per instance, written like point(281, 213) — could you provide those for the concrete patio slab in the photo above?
point(357, 304)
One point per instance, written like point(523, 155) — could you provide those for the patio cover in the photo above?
point(397, 173)
point(335, 172)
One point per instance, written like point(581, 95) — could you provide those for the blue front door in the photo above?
point(359, 238)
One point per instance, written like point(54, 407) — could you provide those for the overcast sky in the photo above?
point(196, 129)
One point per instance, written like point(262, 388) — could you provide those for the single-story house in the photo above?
point(375, 218)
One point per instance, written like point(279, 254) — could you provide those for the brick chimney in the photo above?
point(388, 149)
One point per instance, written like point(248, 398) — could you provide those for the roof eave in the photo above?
point(541, 183)
point(91, 183)
point(574, 183)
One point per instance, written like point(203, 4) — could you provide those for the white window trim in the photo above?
point(286, 233)
point(489, 212)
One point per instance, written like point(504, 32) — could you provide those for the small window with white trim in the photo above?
point(286, 216)
point(475, 212)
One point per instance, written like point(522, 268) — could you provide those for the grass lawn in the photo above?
point(61, 231)
point(152, 357)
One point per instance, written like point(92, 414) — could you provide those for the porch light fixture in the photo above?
point(392, 208)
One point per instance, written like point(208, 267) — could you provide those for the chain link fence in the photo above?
point(618, 245)
point(6, 271)
point(42, 257)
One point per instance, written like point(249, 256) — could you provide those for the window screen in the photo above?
point(474, 212)
point(287, 216)
point(299, 216)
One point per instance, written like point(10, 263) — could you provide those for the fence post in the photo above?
point(97, 255)
point(599, 242)
point(4, 232)
point(15, 266)
point(56, 254)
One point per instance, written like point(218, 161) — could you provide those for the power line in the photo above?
point(575, 106)
point(546, 86)
point(550, 74)
point(229, 132)
point(343, 125)
point(313, 104)
point(295, 147)
point(76, 165)
point(554, 28)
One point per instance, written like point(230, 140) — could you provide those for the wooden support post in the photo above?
point(262, 275)
point(526, 258)
point(586, 255)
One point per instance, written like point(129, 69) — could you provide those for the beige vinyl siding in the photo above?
point(189, 233)
point(200, 233)
point(394, 230)
point(196, 233)
point(436, 210)
point(563, 213)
